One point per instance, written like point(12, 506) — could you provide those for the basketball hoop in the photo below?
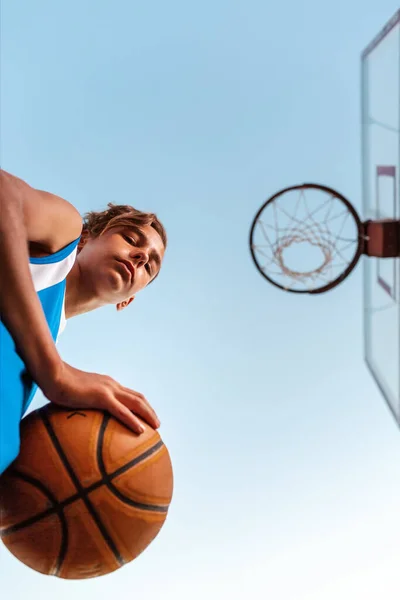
point(308, 238)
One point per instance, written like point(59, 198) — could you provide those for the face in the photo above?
point(120, 263)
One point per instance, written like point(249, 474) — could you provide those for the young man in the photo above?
point(52, 270)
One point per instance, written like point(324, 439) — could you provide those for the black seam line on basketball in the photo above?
point(61, 505)
point(56, 508)
point(42, 515)
point(136, 461)
point(107, 478)
point(107, 481)
point(103, 530)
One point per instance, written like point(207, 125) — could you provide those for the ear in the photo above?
point(125, 303)
point(83, 240)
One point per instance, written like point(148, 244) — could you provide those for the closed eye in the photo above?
point(129, 239)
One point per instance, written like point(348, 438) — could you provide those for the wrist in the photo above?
point(47, 372)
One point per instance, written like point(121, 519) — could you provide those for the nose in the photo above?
point(140, 257)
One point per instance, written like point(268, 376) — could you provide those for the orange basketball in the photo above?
point(86, 495)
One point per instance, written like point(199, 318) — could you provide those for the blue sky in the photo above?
point(286, 459)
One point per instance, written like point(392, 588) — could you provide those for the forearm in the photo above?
point(20, 307)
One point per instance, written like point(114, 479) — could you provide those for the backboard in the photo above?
point(381, 199)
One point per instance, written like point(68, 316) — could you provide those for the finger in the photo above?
point(123, 414)
point(138, 403)
point(135, 401)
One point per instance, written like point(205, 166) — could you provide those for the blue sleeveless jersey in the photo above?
point(17, 388)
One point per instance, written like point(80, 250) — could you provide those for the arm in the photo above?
point(28, 215)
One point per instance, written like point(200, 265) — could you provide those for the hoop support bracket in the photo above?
point(382, 238)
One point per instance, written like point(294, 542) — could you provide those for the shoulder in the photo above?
point(55, 224)
point(51, 222)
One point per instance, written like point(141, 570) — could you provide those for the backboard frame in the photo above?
point(387, 171)
point(391, 393)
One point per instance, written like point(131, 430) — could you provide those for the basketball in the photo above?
point(86, 495)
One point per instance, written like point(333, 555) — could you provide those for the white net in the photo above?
point(305, 239)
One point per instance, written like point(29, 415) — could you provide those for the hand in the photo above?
point(77, 389)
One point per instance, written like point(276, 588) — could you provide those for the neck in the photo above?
point(78, 299)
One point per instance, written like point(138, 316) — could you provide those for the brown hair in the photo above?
point(121, 215)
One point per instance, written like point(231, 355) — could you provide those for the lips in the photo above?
point(128, 268)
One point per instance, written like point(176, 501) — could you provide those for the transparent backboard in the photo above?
point(381, 198)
